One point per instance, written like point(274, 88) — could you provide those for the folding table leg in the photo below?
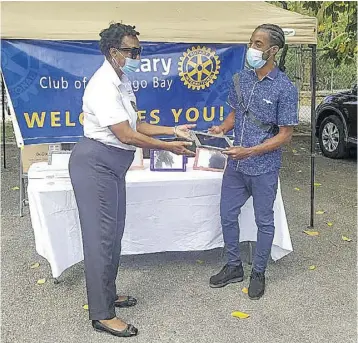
point(223, 251)
point(250, 253)
point(21, 187)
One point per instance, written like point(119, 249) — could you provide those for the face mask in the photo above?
point(130, 65)
point(254, 58)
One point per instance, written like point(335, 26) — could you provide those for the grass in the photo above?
point(9, 132)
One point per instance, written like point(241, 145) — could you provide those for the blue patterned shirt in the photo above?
point(273, 100)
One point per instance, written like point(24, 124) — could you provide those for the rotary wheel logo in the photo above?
point(199, 67)
point(23, 73)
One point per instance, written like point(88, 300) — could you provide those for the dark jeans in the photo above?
point(97, 174)
point(236, 190)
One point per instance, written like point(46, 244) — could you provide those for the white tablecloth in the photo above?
point(166, 211)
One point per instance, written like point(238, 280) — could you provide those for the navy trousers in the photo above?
point(236, 190)
point(97, 174)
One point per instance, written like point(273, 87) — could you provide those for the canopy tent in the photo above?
point(184, 22)
point(188, 21)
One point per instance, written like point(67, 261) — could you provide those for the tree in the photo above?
point(337, 27)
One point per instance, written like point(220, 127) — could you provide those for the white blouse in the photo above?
point(108, 100)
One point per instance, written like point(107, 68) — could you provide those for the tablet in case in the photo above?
point(211, 141)
point(210, 160)
point(162, 160)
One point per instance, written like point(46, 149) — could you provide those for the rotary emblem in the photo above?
point(23, 73)
point(199, 67)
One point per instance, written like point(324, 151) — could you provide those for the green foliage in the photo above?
point(329, 76)
point(337, 27)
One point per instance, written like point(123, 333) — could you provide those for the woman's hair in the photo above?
point(113, 36)
point(276, 34)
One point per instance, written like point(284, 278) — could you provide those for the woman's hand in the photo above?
point(179, 148)
point(183, 131)
point(216, 130)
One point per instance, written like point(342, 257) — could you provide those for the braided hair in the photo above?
point(277, 37)
point(112, 37)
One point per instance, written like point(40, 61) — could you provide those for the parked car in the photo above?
point(336, 123)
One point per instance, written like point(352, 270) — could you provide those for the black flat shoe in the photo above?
point(128, 302)
point(129, 331)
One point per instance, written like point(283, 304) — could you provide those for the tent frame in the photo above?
point(3, 119)
point(313, 82)
point(304, 30)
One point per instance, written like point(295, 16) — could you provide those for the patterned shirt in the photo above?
point(273, 100)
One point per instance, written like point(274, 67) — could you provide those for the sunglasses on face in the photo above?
point(133, 52)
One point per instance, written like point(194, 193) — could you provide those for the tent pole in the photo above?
point(3, 119)
point(21, 185)
point(313, 127)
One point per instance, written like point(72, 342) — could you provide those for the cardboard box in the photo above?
point(36, 153)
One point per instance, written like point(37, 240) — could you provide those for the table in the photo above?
point(166, 211)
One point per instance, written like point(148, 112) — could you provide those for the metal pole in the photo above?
point(3, 119)
point(313, 127)
point(21, 193)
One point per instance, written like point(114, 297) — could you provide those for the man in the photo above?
point(264, 111)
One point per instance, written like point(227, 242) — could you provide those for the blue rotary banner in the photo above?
point(176, 84)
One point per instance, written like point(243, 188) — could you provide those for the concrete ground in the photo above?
point(175, 303)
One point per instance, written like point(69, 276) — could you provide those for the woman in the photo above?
point(98, 166)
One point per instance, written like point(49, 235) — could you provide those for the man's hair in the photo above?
point(276, 34)
point(113, 36)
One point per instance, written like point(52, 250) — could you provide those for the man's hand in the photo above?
point(238, 152)
point(179, 148)
point(183, 131)
point(216, 130)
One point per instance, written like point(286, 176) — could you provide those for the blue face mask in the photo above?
point(254, 58)
point(130, 65)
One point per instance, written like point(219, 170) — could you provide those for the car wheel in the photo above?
point(331, 137)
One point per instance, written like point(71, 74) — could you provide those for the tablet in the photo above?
point(161, 160)
point(208, 140)
point(209, 159)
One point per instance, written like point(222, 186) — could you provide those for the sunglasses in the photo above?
point(134, 52)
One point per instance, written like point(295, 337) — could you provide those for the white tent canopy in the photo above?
point(188, 21)
point(181, 21)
